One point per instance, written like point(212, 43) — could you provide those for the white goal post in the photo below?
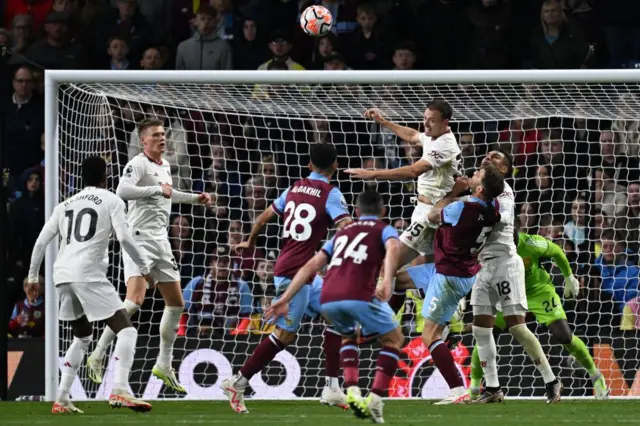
point(245, 136)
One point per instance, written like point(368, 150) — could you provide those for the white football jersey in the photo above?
point(148, 216)
point(500, 241)
point(445, 157)
point(85, 222)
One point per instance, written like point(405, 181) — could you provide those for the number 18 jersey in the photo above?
point(308, 208)
point(85, 222)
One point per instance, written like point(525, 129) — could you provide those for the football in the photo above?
point(316, 21)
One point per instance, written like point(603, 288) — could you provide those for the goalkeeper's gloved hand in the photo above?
point(571, 287)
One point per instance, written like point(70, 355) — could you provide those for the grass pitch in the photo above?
point(302, 413)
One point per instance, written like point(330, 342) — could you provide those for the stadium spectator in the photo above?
point(491, 44)
point(23, 122)
point(243, 262)
point(228, 20)
point(618, 270)
point(576, 229)
point(37, 9)
point(22, 31)
point(631, 315)
point(152, 59)
point(528, 218)
point(523, 137)
point(404, 56)
point(205, 50)
point(280, 45)
point(607, 195)
point(628, 221)
point(26, 218)
point(613, 160)
point(214, 301)
point(27, 318)
point(249, 48)
point(187, 253)
point(323, 47)
point(157, 12)
point(56, 50)
point(124, 20)
point(469, 155)
point(558, 43)
point(223, 174)
point(118, 49)
point(369, 45)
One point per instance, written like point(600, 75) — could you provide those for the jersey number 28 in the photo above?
point(297, 225)
point(76, 228)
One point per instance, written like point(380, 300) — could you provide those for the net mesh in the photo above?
point(575, 149)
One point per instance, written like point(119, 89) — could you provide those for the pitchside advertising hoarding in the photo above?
point(202, 364)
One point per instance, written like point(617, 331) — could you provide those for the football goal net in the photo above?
point(244, 137)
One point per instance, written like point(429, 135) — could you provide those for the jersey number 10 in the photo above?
point(76, 228)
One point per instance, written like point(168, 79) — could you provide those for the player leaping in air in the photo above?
point(458, 241)
point(308, 208)
point(84, 223)
point(500, 285)
point(148, 187)
point(546, 305)
point(350, 298)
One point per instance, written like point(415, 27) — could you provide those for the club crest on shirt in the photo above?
point(128, 171)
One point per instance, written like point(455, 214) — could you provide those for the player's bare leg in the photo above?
point(82, 336)
point(518, 329)
point(561, 331)
point(266, 351)
point(136, 290)
point(124, 352)
point(174, 307)
point(387, 363)
point(433, 339)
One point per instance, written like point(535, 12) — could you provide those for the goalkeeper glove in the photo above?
point(571, 287)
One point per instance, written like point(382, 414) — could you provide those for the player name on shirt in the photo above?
point(84, 197)
point(307, 190)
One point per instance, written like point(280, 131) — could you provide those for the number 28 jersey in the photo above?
point(85, 222)
point(308, 208)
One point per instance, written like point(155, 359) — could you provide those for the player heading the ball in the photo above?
point(350, 298)
point(148, 187)
point(308, 209)
point(85, 222)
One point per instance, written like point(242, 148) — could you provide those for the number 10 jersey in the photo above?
point(85, 222)
point(308, 208)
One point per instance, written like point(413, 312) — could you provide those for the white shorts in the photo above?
point(420, 234)
point(97, 300)
point(500, 286)
point(163, 265)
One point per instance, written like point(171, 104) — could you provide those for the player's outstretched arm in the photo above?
point(405, 133)
point(436, 216)
point(179, 197)
point(121, 228)
point(550, 249)
point(265, 217)
point(48, 233)
point(391, 264)
point(128, 188)
point(401, 173)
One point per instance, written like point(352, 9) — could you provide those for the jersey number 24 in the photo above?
point(353, 250)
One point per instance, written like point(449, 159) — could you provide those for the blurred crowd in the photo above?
point(577, 180)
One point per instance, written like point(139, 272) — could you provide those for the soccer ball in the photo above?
point(316, 21)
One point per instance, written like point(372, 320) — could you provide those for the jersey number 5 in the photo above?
point(297, 225)
point(356, 251)
point(76, 228)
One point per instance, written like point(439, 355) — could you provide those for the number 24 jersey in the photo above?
point(85, 222)
point(308, 207)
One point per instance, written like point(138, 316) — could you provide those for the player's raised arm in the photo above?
point(541, 247)
point(403, 132)
point(276, 209)
point(128, 188)
point(48, 233)
point(401, 173)
point(121, 229)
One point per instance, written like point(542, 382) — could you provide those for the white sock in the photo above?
point(488, 355)
point(72, 361)
point(124, 352)
point(108, 335)
point(168, 333)
point(532, 347)
point(332, 382)
point(241, 381)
